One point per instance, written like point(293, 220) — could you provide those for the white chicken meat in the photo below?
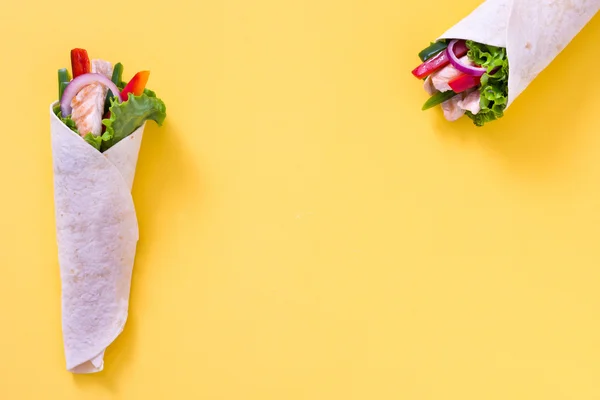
point(88, 104)
point(428, 86)
point(452, 110)
point(471, 102)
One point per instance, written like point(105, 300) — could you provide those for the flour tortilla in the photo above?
point(533, 32)
point(97, 234)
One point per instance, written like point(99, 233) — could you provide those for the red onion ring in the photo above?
point(79, 83)
point(456, 63)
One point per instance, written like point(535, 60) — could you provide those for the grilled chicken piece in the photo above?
point(102, 67)
point(452, 110)
point(88, 104)
point(471, 102)
point(428, 86)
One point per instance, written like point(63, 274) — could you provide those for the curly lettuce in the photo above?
point(129, 115)
point(95, 141)
point(494, 83)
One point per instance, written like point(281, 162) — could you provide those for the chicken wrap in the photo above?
point(96, 130)
point(482, 64)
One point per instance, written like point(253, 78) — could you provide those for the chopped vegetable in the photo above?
point(61, 88)
point(129, 115)
point(438, 99)
point(136, 85)
point(494, 83)
point(117, 76)
point(438, 62)
point(432, 50)
point(457, 63)
point(63, 78)
point(464, 82)
point(79, 83)
point(80, 62)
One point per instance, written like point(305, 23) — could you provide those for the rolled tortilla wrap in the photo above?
point(533, 32)
point(97, 234)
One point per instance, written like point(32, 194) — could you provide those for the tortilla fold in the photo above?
point(97, 234)
point(533, 32)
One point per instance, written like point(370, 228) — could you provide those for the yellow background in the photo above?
point(306, 231)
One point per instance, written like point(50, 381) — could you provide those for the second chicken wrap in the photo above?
point(483, 63)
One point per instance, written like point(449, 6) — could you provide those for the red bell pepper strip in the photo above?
point(464, 82)
point(136, 85)
point(440, 61)
point(80, 62)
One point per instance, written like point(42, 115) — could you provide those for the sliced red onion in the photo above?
point(79, 83)
point(456, 63)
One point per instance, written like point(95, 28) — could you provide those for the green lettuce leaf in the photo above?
point(494, 83)
point(129, 115)
point(66, 120)
point(97, 141)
